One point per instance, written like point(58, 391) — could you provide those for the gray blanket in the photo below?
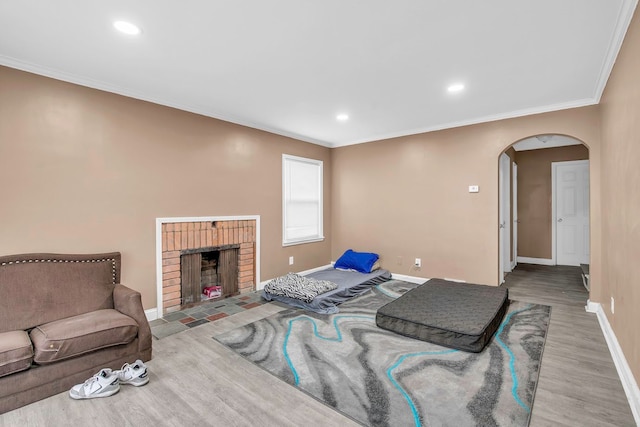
point(293, 285)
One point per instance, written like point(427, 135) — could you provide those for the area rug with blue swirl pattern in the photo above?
point(379, 378)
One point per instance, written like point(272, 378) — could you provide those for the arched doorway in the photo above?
point(543, 202)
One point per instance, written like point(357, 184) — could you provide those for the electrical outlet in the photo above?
point(474, 189)
point(418, 262)
point(290, 260)
point(613, 306)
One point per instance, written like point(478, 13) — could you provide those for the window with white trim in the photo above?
point(301, 200)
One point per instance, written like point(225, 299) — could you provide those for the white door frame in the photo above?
point(554, 219)
point(514, 207)
point(500, 227)
point(504, 224)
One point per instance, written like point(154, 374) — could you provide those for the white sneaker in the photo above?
point(133, 374)
point(103, 384)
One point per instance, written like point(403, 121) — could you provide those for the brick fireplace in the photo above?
point(215, 251)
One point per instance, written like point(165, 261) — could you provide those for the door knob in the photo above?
point(559, 219)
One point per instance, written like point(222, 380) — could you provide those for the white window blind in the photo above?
point(301, 200)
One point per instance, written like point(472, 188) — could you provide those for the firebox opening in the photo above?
point(209, 273)
point(209, 281)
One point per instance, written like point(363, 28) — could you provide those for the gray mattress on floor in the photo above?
point(350, 284)
point(463, 316)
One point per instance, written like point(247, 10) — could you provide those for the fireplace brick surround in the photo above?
point(180, 236)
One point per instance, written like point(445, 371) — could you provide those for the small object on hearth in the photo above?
point(212, 291)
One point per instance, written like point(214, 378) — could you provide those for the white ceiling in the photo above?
point(545, 141)
point(290, 66)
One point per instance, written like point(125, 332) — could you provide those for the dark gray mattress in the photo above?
point(350, 284)
point(463, 316)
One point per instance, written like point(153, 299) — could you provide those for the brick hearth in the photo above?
point(180, 236)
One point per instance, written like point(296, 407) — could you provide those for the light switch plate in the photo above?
point(474, 189)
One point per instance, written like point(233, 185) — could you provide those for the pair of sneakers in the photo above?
point(107, 382)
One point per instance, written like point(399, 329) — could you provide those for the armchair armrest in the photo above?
point(128, 302)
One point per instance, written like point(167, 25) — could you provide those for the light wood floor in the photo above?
point(578, 384)
point(197, 382)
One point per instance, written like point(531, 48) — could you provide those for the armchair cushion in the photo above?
point(16, 352)
point(81, 334)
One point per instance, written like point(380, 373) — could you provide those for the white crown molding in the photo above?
point(99, 85)
point(106, 87)
point(622, 23)
point(485, 119)
point(624, 19)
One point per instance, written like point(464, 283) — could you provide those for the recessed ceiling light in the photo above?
point(457, 87)
point(127, 28)
point(342, 117)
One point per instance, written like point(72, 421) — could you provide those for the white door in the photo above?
point(571, 207)
point(504, 216)
point(514, 202)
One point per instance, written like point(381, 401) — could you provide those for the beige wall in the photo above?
point(534, 197)
point(408, 197)
point(88, 171)
point(620, 108)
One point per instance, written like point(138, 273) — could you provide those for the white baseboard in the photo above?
point(591, 307)
point(539, 261)
point(410, 279)
point(152, 314)
point(302, 273)
point(454, 280)
point(313, 270)
point(626, 376)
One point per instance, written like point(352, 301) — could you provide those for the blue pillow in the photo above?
point(359, 261)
